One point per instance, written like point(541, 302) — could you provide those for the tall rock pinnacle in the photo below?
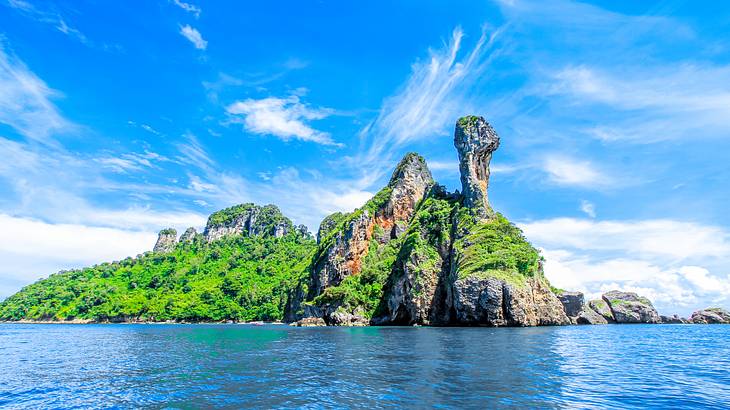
point(475, 140)
point(166, 240)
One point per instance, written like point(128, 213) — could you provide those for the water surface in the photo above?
point(193, 366)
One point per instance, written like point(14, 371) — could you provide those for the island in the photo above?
point(414, 254)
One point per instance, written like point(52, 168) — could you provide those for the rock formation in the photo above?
point(475, 140)
point(166, 240)
point(601, 307)
point(628, 307)
point(341, 254)
point(711, 315)
point(188, 235)
point(456, 261)
point(673, 320)
point(578, 311)
point(247, 219)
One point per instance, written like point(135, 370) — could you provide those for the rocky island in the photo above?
point(414, 254)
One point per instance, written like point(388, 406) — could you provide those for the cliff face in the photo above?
point(166, 241)
point(416, 254)
point(346, 241)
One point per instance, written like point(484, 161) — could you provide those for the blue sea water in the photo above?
point(275, 366)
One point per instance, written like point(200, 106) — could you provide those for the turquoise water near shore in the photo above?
point(274, 366)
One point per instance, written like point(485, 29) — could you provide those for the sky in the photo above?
point(118, 119)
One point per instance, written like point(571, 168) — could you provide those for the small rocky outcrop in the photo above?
point(711, 316)
point(310, 322)
point(601, 307)
point(189, 235)
point(673, 320)
point(475, 141)
point(166, 241)
point(578, 311)
point(628, 307)
point(247, 219)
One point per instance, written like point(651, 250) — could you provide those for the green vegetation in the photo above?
point(494, 248)
point(467, 121)
point(168, 231)
point(238, 278)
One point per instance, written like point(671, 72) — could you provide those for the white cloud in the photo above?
point(32, 249)
point(674, 241)
point(562, 170)
point(190, 8)
point(285, 118)
point(588, 208)
point(665, 260)
point(194, 37)
point(25, 101)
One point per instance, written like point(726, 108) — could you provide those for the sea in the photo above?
point(58, 366)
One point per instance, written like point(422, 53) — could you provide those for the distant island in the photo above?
point(414, 254)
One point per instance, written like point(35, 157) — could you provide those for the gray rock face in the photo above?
point(711, 315)
point(166, 241)
point(628, 307)
point(248, 219)
point(673, 320)
point(601, 308)
point(475, 140)
point(409, 183)
point(578, 311)
point(573, 303)
point(188, 235)
point(343, 257)
point(336, 315)
point(493, 302)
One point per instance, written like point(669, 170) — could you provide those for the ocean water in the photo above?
point(275, 366)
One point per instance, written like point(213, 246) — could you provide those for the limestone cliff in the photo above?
point(416, 254)
point(166, 240)
point(345, 241)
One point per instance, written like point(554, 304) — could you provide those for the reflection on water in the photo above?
point(183, 366)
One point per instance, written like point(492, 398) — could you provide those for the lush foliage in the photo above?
point(236, 278)
point(494, 248)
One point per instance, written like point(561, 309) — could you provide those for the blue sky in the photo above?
point(122, 118)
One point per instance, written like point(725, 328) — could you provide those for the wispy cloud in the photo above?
point(25, 101)
point(193, 36)
point(588, 208)
point(189, 7)
point(563, 170)
point(431, 98)
point(285, 118)
point(669, 102)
